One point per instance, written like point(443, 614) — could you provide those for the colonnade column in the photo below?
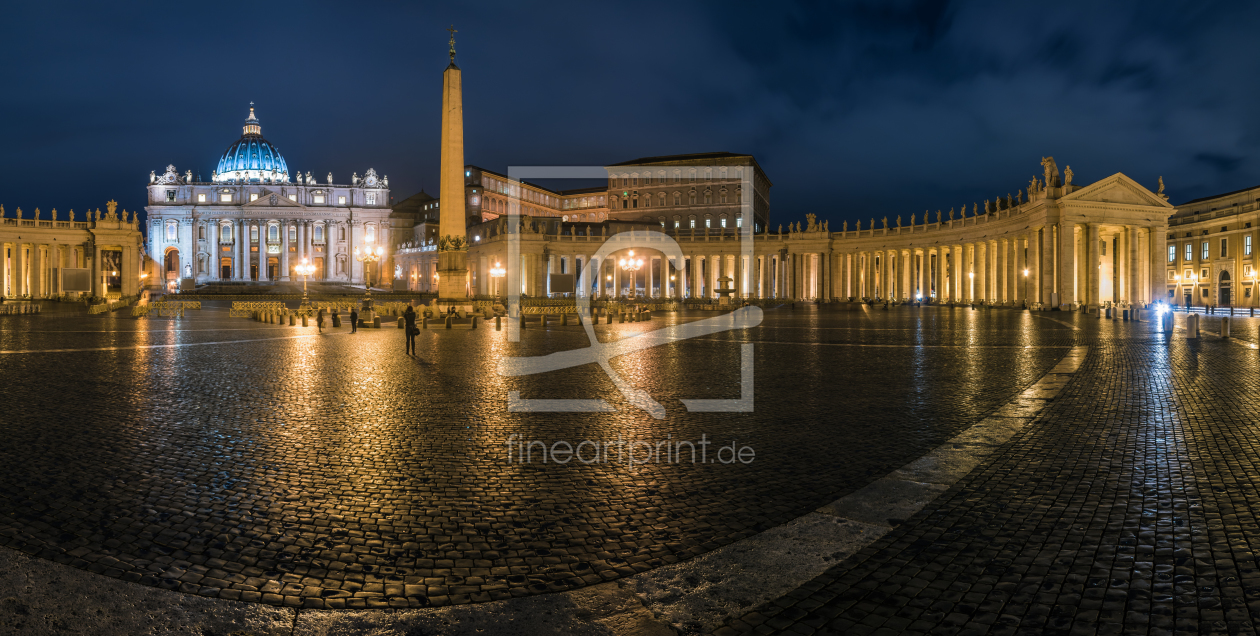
point(1035, 266)
point(1131, 267)
point(1093, 267)
point(1159, 255)
point(1067, 263)
point(263, 254)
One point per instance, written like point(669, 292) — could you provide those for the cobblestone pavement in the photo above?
point(231, 459)
point(1128, 507)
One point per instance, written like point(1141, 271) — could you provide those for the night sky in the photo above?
point(854, 110)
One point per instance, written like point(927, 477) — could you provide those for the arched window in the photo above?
point(691, 198)
point(677, 221)
point(723, 195)
point(708, 197)
point(708, 174)
point(172, 231)
point(692, 175)
point(201, 232)
point(722, 221)
point(660, 176)
point(661, 198)
point(225, 234)
point(341, 233)
point(319, 234)
point(722, 173)
point(634, 179)
point(370, 232)
point(708, 220)
point(677, 176)
point(292, 234)
point(677, 199)
point(692, 220)
point(647, 201)
point(273, 234)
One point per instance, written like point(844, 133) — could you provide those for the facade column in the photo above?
point(238, 250)
point(284, 250)
point(1093, 267)
point(213, 241)
point(263, 255)
point(98, 282)
point(1159, 257)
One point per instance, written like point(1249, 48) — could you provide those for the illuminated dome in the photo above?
point(252, 159)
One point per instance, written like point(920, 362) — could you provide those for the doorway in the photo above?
point(273, 268)
point(225, 268)
point(1224, 294)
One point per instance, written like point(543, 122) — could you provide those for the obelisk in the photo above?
point(452, 242)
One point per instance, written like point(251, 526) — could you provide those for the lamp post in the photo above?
point(1025, 287)
point(369, 255)
point(631, 266)
point(497, 272)
point(305, 269)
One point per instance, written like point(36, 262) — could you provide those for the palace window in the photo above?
point(691, 198)
point(708, 197)
point(708, 221)
point(292, 234)
point(723, 221)
point(692, 175)
point(225, 234)
point(1224, 248)
point(1205, 252)
point(1189, 252)
point(253, 233)
point(647, 201)
point(677, 199)
point(319, 198)
point(225, 198)
point(371, 198)
point(201, 198)
point(1172, 253)
point(739, 220)
point(172, 231)
point(341, 200)
point(692, 220)
point(661, 199)
point(319, 234)
point(708, 174)
point(170, 196)
point(370, 233)
point(273, 234)
point(677, 223)
point(1247, 245)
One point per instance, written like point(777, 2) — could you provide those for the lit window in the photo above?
point(253, 233)
point(370, 233)
point(170, 196)
point(739, 221)
point(293, 197)
point(676, 224)
point(468, 173)
point(371, 198)
point(319, 234)
point(319, 198)
point(1172, 253)
point(707, 222)
point(201, 198)
point(341, 200)
point(1189, 252)
point(693, 223)
point(724, 222)
point(273, 234)
point(1247, 245)
point(293, 234)
point(253, 197)
point(1205, 252)
point(172, 231)
point(225, 198)
point(225, 234)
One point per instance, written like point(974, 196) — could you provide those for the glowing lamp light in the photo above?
point(1025, 272)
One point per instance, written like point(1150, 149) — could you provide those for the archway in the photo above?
point(1224, 293)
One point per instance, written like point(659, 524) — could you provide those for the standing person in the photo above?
point(319, 320)
point(354, 319)
point(409, 321)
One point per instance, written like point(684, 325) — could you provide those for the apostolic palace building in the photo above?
point(701, 221)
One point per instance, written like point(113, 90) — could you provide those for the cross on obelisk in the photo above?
point(453, 32)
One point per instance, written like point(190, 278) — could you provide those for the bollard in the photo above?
point(564, 320)
point(450, 323)
point(623, 319)
point(336, 321)
point(1108, 314)
point(522, 314)
point(401, 323)
point(1224, 326)
point(376, 322)
point(498, 323)
point(609, 316)
point(1137, 315)
point(424, 321)
point(474, 321)
point(292, 320)
point(543, 319)
point(1192, 325)
point(304, 321)
point(1168, 323)
point(1126, 315)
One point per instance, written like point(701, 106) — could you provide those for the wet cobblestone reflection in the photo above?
point(228, 458)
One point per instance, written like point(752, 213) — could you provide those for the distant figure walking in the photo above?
point(354, 319)
point(319, 320)
point(409, 321)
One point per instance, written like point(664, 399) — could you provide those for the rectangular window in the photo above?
point(293, 197)
point(1172, 275)
point(225, 198)
point(1205, 253)
point(693, 224)
point(341, 200)
point(201, 198)
point(739, 221)
point(170, 196)
point(1172, 253)
point(319, 198)
point(292, 235)
point(1224, 248)
point(1189, 252)
point(253, 233)
point(253, 197)
point(723, 222)
point(171, 231)
point(1247, 245)
point(371, 198)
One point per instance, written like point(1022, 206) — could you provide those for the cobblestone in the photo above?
point(297, 469)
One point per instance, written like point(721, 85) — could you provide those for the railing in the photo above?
point(166, 308)
point(245, 309)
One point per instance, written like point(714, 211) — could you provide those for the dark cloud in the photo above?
point(855, 109)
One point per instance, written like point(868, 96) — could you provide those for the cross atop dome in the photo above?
point(252, 126)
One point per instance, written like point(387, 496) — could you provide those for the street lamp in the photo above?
point(369, 255)
point(497, 272)
point(305, 269)
point(631, 266)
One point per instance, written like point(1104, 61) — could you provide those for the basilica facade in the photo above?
point(255, 220)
